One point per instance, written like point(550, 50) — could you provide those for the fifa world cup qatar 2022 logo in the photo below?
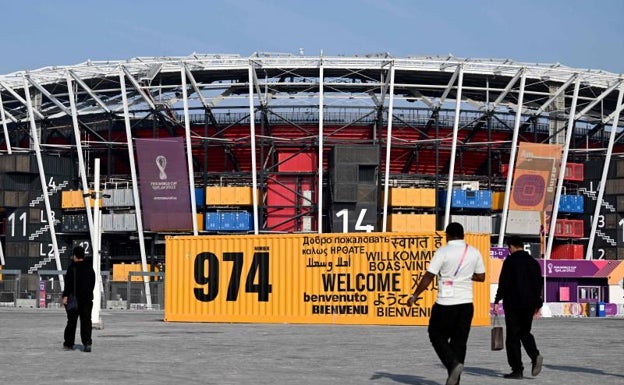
point(161, 163)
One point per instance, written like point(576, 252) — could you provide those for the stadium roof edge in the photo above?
point(555, 71)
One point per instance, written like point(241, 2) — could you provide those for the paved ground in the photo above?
point(137, 347)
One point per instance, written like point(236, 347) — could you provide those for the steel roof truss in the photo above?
point(21, 100)
point(89, 91)
point(449, 87)
point(47, 94)
point(507, 89)
point(138, 87)
point(561, 89)
point(598, 99)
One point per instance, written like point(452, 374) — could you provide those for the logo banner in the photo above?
point(535, 177)
point(163, 184)
point(534, 186)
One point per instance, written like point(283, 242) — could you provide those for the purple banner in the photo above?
point(499, 252)
point(164, 185)
point(569, 268)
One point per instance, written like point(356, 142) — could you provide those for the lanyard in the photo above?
point(461, 261)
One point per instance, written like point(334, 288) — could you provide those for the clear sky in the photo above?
point(576, 33)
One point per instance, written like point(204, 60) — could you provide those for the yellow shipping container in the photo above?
point(72, 199)
point(298, 278)
point(199, 218)
point(427, 197)
point(213, 195)
point(411, 222)
point(411, 197)
point(229, 196)
point(121, 271)
point(498, 199)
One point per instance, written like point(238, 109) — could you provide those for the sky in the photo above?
point(577, 33)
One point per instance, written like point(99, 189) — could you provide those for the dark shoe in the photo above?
point(514, 375)
point(87, 349)
point(536, 368)
point(66, 347)
point(453, 378)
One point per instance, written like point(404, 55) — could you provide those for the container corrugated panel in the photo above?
point(16, 249)
point(107, 222)
point(119, 222)
point(122, 270)
point(498, 200)
point(427, 197)
point(569, 228)
point(397, 197)
point(129, 222)
point(128, 197)
point(213, 195)
point(523, 222)
point(73, 199)
point(212, 222)
point(7, 163)
point(574, 172)
point(119, 198)
point(20, 182)
point(397, 222)
point(199, 219)
point(411, 197)
point(244, 196)
point(14, 198)
point(108, 200)
point(296, 278)
point(568, 251)
point(296, 162)
point(427, 222)
point(200, 196)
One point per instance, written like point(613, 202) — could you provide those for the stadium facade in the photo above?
point(278, 143)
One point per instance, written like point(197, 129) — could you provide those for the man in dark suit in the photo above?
point(520, 287)
point(79, 282)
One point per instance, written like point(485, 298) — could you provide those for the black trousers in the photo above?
point(84, 313)
point(449, 327)
point(518, 323)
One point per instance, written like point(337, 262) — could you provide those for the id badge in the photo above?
point(446, 289)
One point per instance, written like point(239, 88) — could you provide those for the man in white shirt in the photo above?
point(456, 265)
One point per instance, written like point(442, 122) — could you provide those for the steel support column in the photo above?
point(135, 184)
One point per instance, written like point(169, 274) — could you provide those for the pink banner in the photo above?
point(164, 185)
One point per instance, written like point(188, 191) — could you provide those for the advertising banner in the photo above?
point(534, 187)
point(563, 268)
point(164, 184)
point(535, 176)
point(328, 278)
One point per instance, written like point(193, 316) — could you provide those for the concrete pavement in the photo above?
point(137, 347)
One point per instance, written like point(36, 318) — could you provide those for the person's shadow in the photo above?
point(403, 378)
point(579, 369)
point(483, 372)
point(418, 380)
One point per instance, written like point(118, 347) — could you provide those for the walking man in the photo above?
point(456, 265)
point(79, 282)
point(520, 288)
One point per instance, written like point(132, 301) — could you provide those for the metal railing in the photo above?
point(43, 290)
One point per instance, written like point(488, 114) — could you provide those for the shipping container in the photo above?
point(467, 199)
point(411, 197)
point(411, 222)
point(574, 172)
point(568, 251)
point(569, 228)
point(296, 278)
point(229, 196)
